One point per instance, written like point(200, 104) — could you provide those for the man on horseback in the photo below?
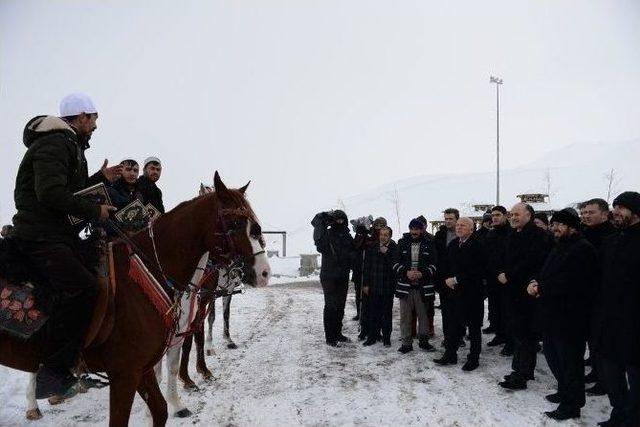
point(52, 169)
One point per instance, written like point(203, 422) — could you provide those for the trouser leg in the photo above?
point(374, 316)
point(570, 352)
point(421, 312)
point(632, 412)
point(455, 326)
point(406, 319)
point(330, 312)
point(506, 324)
point(553, 359)
point(357, 285)
point(614, 376)
point(342, 291)
point(387, 312)
point(475, 319)
point(74, 291)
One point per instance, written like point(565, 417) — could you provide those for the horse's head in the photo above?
point(236, 239)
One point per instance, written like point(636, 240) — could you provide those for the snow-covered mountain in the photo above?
point(570, 174)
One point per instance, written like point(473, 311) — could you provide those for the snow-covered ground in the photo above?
point(284, 374)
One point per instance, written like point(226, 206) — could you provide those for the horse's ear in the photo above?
point(218, 184)
point(203, 189)
point(243, 189)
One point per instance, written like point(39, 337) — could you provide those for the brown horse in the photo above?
point(135, 334)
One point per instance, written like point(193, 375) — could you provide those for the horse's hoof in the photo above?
point(34, 414)
point(232, 346)
point(207, 375)
point(56, 400)
point(183, 413)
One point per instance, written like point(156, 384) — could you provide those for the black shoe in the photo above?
point(470, 365)
point(507, 350)
point(496, 341)
point(423, 343)
point(356, 317)
point(362, 337)
point(386, 342)
point(513, 384)
point(513, 375)
point(50, 382)
point(553, 398)
point(489, 330)
point(591, 377)
point(596, 390)
point(462, 344)
point(562, 414)
point(446, 359)
point(369, 341)
point(611, 423)
point(342, 338)
point(332, 343)
point(405, 349)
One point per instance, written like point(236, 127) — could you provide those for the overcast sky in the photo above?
point(317, 100)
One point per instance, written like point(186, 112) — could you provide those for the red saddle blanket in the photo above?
point(18, 314)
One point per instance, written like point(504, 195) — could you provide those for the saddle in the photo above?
point(24, 311)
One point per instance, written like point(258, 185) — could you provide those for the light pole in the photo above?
point(498, 82)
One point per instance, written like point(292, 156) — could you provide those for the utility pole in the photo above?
point(498, 82)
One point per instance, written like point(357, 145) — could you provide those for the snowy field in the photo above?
point(283, 374)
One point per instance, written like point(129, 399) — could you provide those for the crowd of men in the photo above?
point(555, 285)
point(53, 168)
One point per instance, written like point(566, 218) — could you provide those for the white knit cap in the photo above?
point(151, 159)
point(75, 104)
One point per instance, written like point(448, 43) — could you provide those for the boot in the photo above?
point(497, 340)
point(563, 413)
point(507, 350)
point(423, 343)
point(446, 359)
point(370, 341)
point(405, 348)
point(53, 382)
point(386, 341)
point(342, 338)
point(471, 364)
point(553, 398)
point(514, 383)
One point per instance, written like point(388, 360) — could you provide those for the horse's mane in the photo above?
point(236, 197)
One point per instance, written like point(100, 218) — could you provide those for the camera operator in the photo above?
point(333, 240)
point(362, 228)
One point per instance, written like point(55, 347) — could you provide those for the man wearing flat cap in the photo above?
point(617, 321)
point(147, 183)
point(564, 288)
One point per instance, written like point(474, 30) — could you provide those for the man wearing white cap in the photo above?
point(152, 169)
point(52, 169)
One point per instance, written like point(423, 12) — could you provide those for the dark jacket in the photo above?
point(427, 261)
point(597, 234)
point(440, 241)
point(467, 264)
point(53, 168)
point(338, 252)
point(496, 247)
point(121, 195)
point(617, 324)
point(525, 253)
point(150, 193)
point(567, 282)
point(378, 269)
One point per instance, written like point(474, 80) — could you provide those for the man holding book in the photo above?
point(53, 168)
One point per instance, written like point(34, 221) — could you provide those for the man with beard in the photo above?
point(52, 169)
point(596, 228)
point(415, 268)
point(617, 320)
point(495, 245)
point(378, 287)
point(526, 250)
point(443, 237)
point(465, 274)
point(333, 240)
point(564, 287)
point(147, 184)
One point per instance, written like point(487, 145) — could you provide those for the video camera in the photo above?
point(326, 219)
point(363, 223)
